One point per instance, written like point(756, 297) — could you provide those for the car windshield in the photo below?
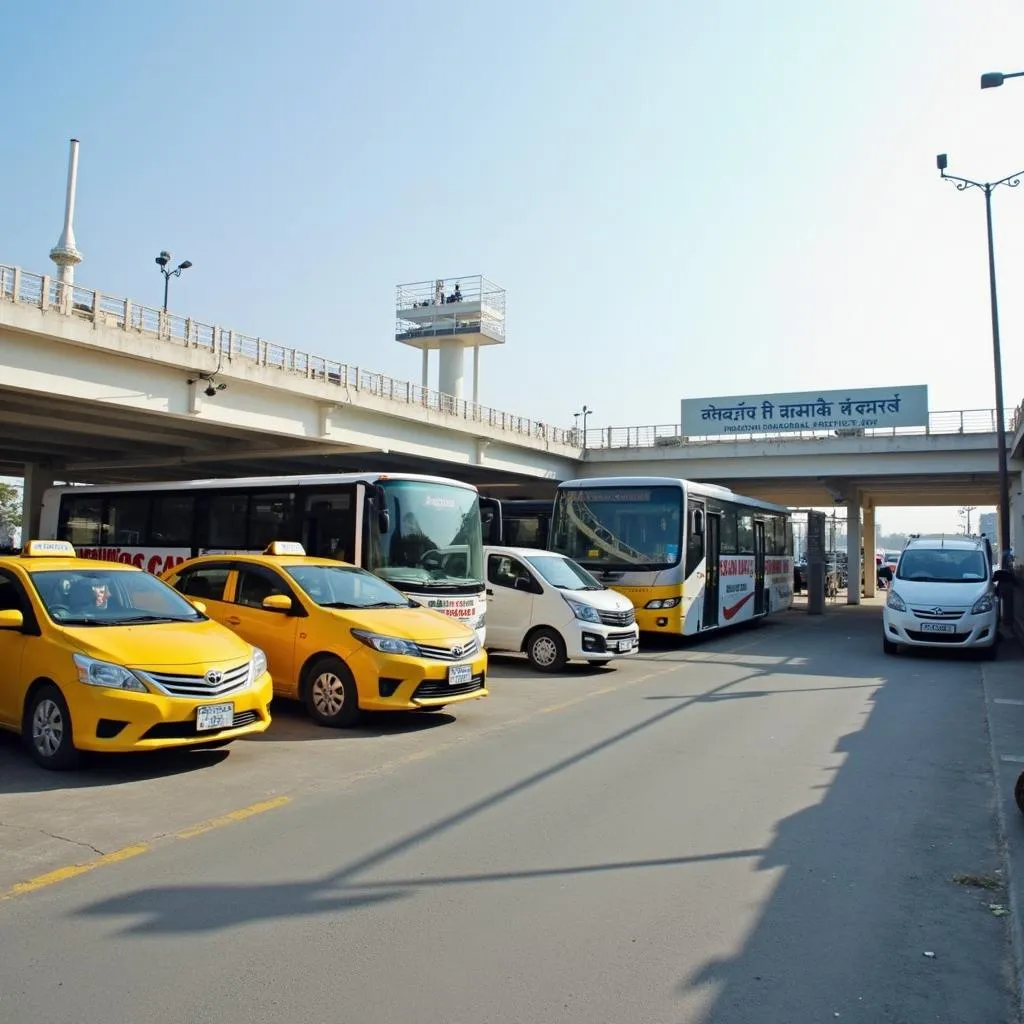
point(342, 586)
point(434, 539)
point(110, 597)
point(942, 565)
point(563, 573)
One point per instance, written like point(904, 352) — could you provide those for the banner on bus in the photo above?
point(852, 409)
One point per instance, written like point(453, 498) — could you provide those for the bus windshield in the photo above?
point(434, 538)
point(615, 527)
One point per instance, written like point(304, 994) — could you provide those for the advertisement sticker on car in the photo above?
point(215, 716)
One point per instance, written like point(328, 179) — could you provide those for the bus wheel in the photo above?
point(330, 693)
point(545, 650)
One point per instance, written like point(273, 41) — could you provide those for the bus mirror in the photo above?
point(697, 522)
point(383, 520)
point(380, 504)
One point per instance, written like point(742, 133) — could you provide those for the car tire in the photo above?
point(889, 647)
point(330, 694)
point(47, 730)
point(545, 650)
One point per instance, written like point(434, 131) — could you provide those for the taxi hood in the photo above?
point(416, 624)
point(159, 646)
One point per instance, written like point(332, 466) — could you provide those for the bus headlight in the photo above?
point(663, 602)
point(583, 612)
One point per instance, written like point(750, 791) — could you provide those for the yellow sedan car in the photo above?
point(105, 657)
point(337, 638)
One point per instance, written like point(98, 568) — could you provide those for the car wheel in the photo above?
point(889, 647)
point(545, 650)
point(330, 694)
point(47, 730)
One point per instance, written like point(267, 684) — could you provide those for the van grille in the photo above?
point(213, 684)
point(943, 615)
point(626, 618)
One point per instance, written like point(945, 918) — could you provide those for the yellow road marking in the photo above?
point(127, 852)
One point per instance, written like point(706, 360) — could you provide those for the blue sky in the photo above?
point(681, 198)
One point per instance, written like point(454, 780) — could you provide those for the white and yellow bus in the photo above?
point(691, 557)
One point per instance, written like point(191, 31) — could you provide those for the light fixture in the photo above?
point(212, 387)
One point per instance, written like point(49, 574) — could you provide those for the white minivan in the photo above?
point(546, 605)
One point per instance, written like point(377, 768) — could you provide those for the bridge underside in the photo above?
point(903, 490)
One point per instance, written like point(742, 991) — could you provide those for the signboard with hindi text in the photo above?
point(852, 409)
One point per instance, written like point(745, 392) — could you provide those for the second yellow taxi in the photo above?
point(337, 638)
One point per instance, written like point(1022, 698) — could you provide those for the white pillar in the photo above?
point(426, 368)
point(476, 374)
point(853, 542)
point(451, 370)
point(37, 479)
point(870, 572)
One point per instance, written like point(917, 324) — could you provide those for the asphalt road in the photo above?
point(761, 828)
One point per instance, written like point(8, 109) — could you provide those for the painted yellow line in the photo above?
point(232, 816)
point(127, 852)
point(73, 871)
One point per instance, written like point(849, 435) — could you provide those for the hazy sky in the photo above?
point(682, 198)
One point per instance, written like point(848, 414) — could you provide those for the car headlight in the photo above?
point(102, 673)
point(895, 602)
point(663, 602)
point(386, 644)
point(258, 665)
point(583, 612)
point(985, 603)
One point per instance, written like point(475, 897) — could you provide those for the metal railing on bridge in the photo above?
point(957, 421)
point(44, 292)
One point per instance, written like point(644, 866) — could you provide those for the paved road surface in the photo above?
point(761, 828)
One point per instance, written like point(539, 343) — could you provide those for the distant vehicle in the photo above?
point(943, 595)
point(545, 604)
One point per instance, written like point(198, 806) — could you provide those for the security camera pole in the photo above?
point(987, 187)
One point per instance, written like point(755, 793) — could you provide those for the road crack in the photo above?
point(54, 835)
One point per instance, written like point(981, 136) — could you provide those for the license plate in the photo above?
point(938, 627)
point(459, 675)
point(215, 716)
point(625, 646)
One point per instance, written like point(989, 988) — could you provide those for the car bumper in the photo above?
point(594, 641)
point(399, 683)
point(119, 721)
point(970, 631)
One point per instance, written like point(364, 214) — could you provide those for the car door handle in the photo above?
point(233, 620)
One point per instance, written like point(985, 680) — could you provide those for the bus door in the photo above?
point(712, 531)
point(760, 606)
point(329, 523)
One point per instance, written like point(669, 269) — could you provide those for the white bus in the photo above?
point(691, 557)
point(420, 533)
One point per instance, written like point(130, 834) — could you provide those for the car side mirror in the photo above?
point(277, 603)
point(12, 619)
point(199, 606)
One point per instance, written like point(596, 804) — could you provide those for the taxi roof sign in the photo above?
point(285, 547)
point(48, 549)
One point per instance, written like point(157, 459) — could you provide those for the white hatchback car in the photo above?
point(546, 605)
point(943, 595)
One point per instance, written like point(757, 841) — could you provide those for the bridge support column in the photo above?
point(853, 545)
point(37, 478)
point(1017, 515)
point(870, 573)
point(425, 378)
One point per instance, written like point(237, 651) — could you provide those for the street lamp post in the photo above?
point(161, 261)
point(987, 188)
point(584, 412)
point(994, 79)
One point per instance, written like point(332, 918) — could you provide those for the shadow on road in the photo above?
point(291, 723)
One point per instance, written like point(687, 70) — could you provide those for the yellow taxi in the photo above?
point(337, 637)
point(105, 657)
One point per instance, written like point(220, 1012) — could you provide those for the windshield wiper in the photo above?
point(339, 604)
point(83, 622)
point(383, 604)
point(149, 618)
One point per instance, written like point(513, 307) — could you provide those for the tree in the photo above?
point(10, 510)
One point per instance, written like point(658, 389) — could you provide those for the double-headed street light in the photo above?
point(988, 187)
point(161, 261)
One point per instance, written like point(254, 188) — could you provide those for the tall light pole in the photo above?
point(988, 187)
point(994, 79)
point(161, 261)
